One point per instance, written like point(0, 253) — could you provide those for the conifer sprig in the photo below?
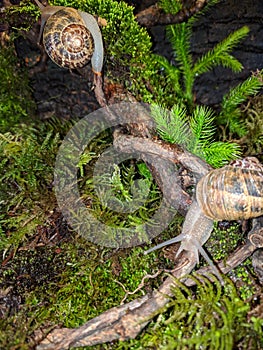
point(241, 92)
point(230, 113)
point(202, 124)
point(195, 133)
point(220, 153)
point(172, 126)
point(183, 75)
point(172, 72)
point(179, 36)
point(170, 6)
point(219, 55)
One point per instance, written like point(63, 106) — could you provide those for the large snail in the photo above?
point(71, 38)
point(230, 193)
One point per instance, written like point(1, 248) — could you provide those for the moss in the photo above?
point(16, 105)
point(50, 276)
point(67, 284)
point(26, 166)
point(212, 318)
point(118, 189)
point(224, 240)
point(252, 116)
point(27, 155)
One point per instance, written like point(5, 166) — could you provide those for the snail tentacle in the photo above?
point(195, 232)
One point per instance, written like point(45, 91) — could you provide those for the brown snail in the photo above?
point(230, 193)
point(71, 37)
point(234, 192)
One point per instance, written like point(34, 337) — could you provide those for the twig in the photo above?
point(98, 90)
point(140, 286)
point(121, 322)
point(154, 15)
point(164, 150)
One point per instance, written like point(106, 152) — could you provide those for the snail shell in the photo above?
point(67, 40)
point(71, 38)
point(233, 192)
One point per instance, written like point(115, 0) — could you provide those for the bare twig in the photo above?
point(98, 90)
point(154, 15)
point(172, 152)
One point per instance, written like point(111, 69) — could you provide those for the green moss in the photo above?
point(119, 188)
point(67, 286)
point(27, 155)
point(224, 241)
point(72, 281)
point(211, 318)
point(26, 167)
point(15, 94)
point(252, 116)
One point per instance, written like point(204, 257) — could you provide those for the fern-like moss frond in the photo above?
point(240, 93)
point(172, 126)
point(195, 133)
point(219, 55)
point(170, 6)
point(172, 72)
point(203, 128)
point(202, 124)
point(208, 319)
point(202, 12)
point(219, 153)
point(230, 114)
point(179, 36)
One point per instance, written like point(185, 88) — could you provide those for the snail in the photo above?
point(231, 193)
point(71, 37)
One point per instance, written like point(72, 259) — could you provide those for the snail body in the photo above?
point(231, 193)
point(71, 38)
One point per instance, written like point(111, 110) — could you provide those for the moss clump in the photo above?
point(212, 317)
point(25, 162)
point(224, 240)
point(252, 116)
point(117, 191)
point(26, 167)
point(68, 284)
point(16, 105)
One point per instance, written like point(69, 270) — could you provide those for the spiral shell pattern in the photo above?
point(233, 192)
point(67, 40)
